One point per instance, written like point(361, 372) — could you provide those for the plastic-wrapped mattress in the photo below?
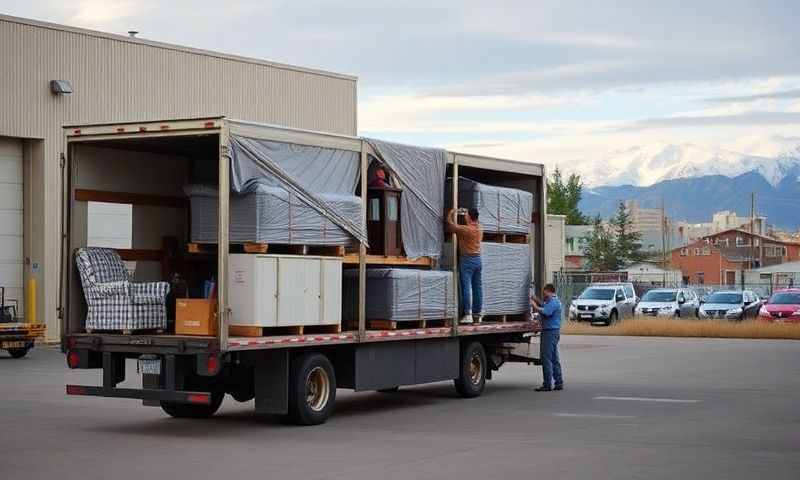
point(501, 209)
point(270, 215)
point(506, 275)
point(400, 294)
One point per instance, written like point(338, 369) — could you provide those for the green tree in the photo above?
point(599, 249)
point(615, 247)
point(627, 243)
point(563, 197)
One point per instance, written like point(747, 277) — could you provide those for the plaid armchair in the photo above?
point(114, 301)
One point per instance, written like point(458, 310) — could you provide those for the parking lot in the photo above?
point(633, 408)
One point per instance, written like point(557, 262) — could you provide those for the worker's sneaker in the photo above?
point(543, 388)
point(466, 319)
point(477, 318)
point(559, 386)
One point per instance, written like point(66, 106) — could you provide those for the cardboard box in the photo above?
point(196, 316)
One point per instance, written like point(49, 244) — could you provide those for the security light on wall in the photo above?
point(60, 87)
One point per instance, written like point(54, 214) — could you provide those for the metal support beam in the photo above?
point(362, 249)
point(454, 243)
point(222, 241)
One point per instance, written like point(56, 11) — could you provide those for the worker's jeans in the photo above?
point(471, 284)
point(548, 351)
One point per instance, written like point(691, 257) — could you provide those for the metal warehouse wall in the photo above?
point(117, 78)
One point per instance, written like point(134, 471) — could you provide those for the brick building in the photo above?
point(721, 258)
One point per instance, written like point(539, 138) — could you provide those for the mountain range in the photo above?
point(694, 182)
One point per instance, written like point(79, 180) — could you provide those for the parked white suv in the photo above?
point(669, 302)
point(601, 303)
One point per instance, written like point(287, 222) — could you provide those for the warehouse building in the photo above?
point(54, 75)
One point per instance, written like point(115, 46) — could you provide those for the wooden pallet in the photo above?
point(395, 325)
point(250, 331)
point(394, 260)
point(505, 237)
point(520, 317)
point(143, 331)
point(278, 248)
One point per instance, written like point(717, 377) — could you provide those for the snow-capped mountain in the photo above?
point(649, 164)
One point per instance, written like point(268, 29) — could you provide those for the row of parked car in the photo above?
point(609, 302)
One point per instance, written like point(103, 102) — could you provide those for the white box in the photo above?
point(284, 290)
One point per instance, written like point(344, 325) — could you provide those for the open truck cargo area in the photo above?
point(260, 291)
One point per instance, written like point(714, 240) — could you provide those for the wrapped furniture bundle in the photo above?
point(506, 275)
point(501, 209)
point(401, 294)
point(268, 214)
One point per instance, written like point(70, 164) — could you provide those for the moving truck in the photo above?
point(287, 371)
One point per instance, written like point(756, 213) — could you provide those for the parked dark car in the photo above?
point(731, 305)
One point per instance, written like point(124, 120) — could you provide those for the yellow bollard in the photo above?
point(30, 303)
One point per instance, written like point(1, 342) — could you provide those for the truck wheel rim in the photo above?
point(475, 368)
point(317, 389)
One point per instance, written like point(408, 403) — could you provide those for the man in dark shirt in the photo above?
point(550, 312)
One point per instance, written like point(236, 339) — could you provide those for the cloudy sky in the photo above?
point(546, 81)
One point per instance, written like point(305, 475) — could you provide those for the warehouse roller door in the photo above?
point(11, 230)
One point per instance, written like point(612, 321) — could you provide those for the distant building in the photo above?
point(720, 221)
point(774, 277)
point(721, 258)
point(554, 239)
point(691, 232)
point(726, 220)
point(644, 219)
point(648, 272)
point(576, 239)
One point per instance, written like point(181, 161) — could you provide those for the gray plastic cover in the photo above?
point(501, 209)
point(420, 172)
point(270, 214)
point(306, 172)
point(400, 294)
point(506, 275)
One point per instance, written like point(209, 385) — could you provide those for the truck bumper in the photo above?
point(197, 398)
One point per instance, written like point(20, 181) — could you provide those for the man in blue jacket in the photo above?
point(550, 312)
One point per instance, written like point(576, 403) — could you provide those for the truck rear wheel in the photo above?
point(312, 391)
point(18, 352)
point(472, 377)
point(189, 410)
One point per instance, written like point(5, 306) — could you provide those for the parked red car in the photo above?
point(782, 306)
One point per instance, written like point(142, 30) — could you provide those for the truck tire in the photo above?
point(312, 389)
point(18, 352)
point(472, 377)
point(189, 410)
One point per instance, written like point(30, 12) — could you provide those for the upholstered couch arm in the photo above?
point(149, 293)
point(107, 290)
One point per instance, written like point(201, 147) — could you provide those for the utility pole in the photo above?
point(663, 244)
point(752, 229)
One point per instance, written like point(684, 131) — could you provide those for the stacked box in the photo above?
point(501, 209)
point(506, 275)
point(270, 215)
point(399, 294)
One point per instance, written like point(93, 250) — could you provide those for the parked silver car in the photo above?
point(669, 302)
point(602, 304)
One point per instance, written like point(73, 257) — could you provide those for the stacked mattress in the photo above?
point(501, 209)
point(268, 214)
point(401, 294)
point(506, 275)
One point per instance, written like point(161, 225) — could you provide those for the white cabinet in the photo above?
point(284, 290)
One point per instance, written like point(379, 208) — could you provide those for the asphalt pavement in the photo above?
point(633, 408)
